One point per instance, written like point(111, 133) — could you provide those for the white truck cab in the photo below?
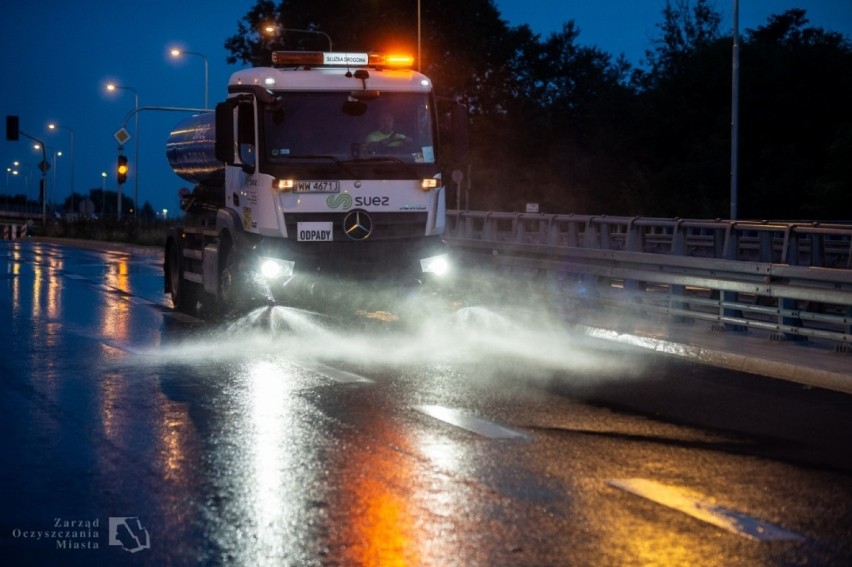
point(323, 167)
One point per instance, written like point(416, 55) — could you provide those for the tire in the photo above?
point(230, 296)
point(239, 292)
point(184, 294)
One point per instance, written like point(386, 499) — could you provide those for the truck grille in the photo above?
point(386, 226)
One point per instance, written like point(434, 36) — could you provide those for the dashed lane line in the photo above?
point(339, 376)
point(701, 508)
point(470, 422)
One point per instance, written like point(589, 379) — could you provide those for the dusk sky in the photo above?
point(57, 57)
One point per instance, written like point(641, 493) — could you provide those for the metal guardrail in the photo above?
point(793, 280)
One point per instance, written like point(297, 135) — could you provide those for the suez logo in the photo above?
point(345, 201)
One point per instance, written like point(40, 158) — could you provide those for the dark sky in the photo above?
point(57, 57)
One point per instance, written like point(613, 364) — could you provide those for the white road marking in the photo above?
point(693, 504)
point(470, 422)
point(340, 376)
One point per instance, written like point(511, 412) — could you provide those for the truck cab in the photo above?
point(322, 169)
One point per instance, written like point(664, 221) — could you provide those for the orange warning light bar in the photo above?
point(341, 59)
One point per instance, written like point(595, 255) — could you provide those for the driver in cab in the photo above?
point(384, 136)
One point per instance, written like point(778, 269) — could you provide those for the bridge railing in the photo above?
point(793, 280)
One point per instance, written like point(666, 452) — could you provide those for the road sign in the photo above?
point(121, 136)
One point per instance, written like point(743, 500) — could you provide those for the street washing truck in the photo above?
point(317, 175)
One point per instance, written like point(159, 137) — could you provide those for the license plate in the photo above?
point(314, 232)
point(317, 187)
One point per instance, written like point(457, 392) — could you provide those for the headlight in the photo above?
point(438, 265)
point(273, 268)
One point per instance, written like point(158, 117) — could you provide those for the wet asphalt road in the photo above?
point(473, 437)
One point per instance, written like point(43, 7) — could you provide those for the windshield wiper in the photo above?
point(385, 159)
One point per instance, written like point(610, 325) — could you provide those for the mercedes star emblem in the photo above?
point(358, 225)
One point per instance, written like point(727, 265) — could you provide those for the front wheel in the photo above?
point(228, 277)
point(238, 288)
point(184, 294)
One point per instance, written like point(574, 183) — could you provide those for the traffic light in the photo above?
point(122, 168)
point(12, 128)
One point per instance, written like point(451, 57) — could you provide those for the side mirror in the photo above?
point(224, 148)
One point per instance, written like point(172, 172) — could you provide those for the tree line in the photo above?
point(578, 130)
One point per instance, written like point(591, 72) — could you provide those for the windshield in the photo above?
point(334, 126)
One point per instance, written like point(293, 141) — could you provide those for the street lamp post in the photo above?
point(735, 113)
point(103, 194)
point(112, 87)
point(56, 154)
point(178, 52)
point(43, 166)
point(54, 126)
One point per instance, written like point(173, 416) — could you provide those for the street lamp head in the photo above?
point(114, 87)
point(270, 29)
point(178, 52)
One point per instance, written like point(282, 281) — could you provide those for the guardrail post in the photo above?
point(518, 228)
point(572, 234)
point(846, 347)
point(817, 242)
point(635, 242)
point(730, 251)
point(489, 230)
point(676, 292)
point(788, 316)
point(678, 238)
point(765, 252)
point(590, 239)
point(790, 250)
point(731, 242)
